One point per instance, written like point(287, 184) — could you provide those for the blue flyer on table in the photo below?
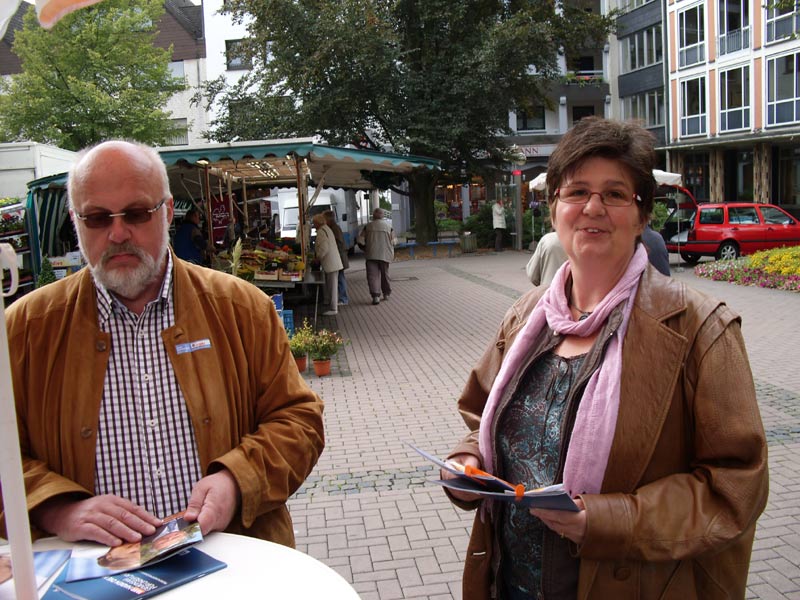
point(183, 567)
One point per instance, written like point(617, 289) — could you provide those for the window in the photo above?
point(782, 22)
point(531, 120)
point(647, 107)
point(235, 56)
point(579, 112)
point(180, 135)
point(176, 68)
point(773, 216)
point(712, 216)
point(734, 96)
point(742, 215)
point(783, 89)
point(734, 26)
point(693, 106)
point(692, 36)
point(642, 49)
point(633, 4)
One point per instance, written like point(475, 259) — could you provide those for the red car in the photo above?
point(730, 229)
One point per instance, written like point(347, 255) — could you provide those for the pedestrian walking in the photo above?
point(378, 239)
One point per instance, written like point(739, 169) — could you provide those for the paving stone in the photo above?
point(368, 505)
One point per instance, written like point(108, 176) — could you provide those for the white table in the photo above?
point(256, 569)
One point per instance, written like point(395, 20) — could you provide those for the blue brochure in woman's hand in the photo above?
point(475, 481)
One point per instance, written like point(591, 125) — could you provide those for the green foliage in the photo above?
point(449, 225)
point(480, 224)
point(46, 275)
point(659, 215)
point(95, 75)
point(430, 77)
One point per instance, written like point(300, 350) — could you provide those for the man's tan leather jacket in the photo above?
point(252, 411)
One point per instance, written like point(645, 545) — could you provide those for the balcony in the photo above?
point(733, 41)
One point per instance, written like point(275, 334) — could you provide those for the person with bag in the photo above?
point(627, 387)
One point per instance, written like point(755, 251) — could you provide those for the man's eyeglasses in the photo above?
point(582, 195)
point(134, 216)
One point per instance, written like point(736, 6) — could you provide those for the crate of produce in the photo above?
point(267, 275)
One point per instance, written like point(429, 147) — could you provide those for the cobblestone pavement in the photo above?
point(366, 510)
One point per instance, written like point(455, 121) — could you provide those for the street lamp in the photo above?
point(518, 160)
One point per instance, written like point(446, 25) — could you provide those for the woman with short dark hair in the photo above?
point(629, 388)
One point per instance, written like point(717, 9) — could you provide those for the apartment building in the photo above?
point(584, 90)
point(733, 129)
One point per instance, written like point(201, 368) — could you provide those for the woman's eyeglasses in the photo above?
point(134, 216)
point(581, 195)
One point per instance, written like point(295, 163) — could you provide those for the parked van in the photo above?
point(343, 203)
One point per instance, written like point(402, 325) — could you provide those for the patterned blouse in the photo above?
point(529, 451)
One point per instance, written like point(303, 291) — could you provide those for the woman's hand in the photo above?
point(567, 524)
point(463, 460)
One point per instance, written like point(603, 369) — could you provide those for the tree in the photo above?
point(94, 76)
point(430, 77)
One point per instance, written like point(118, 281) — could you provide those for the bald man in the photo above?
point(146, 385)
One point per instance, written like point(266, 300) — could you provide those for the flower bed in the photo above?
point(778, 269)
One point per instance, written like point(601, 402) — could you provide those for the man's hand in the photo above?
point(464, 460)
point(109, 520)
point(214, 502)
point(567, 524)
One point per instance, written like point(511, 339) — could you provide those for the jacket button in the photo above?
point(622, 573)
point(206, 421)
point(86, 432)
point(101, 346)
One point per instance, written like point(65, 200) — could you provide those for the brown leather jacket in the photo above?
point(252, 412)
point(687, 474)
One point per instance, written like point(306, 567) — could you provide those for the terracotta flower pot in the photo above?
point(302, 363)
point(322, 367)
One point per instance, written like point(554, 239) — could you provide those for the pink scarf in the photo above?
point(595, 423)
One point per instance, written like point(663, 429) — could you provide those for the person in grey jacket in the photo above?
point(328, 254)
point(379, 249)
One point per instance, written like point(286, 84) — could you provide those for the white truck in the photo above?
point(343, 203)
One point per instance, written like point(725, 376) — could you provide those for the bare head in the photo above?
point(126, 252)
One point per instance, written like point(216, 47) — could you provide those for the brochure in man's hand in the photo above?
point(185, 566)
point(475, 481)
point(174, 535)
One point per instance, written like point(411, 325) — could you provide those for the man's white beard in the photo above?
point(128, 283)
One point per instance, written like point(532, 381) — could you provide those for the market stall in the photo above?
point(221, 178)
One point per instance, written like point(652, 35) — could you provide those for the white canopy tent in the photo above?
point(539, 183)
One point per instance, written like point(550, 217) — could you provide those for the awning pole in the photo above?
point(13, 482)
point(301, 207)
point(209, 220)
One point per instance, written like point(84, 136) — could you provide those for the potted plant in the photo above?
point(299, 344)
point(324, 345)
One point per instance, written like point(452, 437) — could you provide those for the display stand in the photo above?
point(14, 504)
